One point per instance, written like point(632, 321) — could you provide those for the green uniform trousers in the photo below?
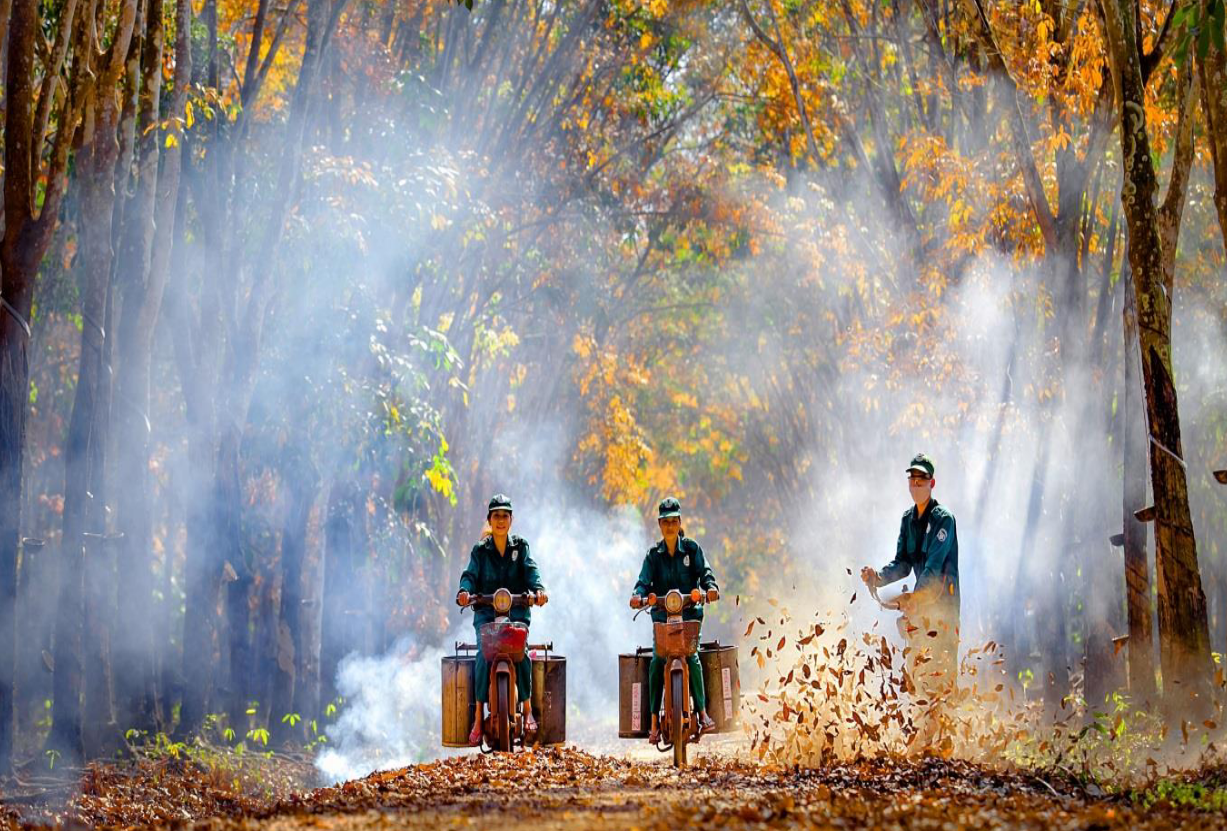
point(656, 682)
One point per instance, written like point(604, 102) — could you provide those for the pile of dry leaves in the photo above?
point(154, 791)
point(833, 697)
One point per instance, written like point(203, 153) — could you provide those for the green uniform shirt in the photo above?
point(928, 546)
point(687, 569)
point(488, 571)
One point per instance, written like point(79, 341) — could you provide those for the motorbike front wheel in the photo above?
point(504, 715)
point(680, 733)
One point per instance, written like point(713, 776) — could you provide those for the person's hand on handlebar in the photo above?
point(871, 577)
point(636, 601)
point(713, 595)
point(462, 598)
point(542, 597)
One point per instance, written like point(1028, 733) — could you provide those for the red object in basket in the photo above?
point(504, 638)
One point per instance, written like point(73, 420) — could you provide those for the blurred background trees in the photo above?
point(290, 287)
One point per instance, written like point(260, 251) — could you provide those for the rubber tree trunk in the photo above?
point(33, 679)
point(242, 652)
point(241, 363)
point(97, 183)
point(344, 545)
point(307, 668)
point(1029, 569)
point(100, 733)
point(1184, 638)
point(208, 532)
point(1140, 656)
point(197, 343)
point(96, 175)
point(27, 234)
point(1103, 578)
point(301, 481)
point(149, 224)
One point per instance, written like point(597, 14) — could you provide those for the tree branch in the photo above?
point(1172, 209)
point(62, 38)
point(777, 48)
point(1155, 57)
point(1022, 144)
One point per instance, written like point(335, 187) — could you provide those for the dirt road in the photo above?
point(572, 789)
point(633, 788)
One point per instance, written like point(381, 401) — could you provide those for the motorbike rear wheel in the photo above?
point(503, 719)
point(680, 733)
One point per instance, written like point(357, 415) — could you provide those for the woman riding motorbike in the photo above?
point(500, 561)
point(675, 562)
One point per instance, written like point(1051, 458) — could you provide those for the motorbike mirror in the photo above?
point(694, 595)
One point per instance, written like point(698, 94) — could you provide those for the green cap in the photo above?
point(921, 464)
point(499, 502)
point(669, 507)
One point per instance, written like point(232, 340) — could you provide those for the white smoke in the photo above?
point(589, 561)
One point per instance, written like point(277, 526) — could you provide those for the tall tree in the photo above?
point(1140, 657)
point(143, 265)
point(96, 173)
point(1184, 637)
point(244, 326)
point(28, 229)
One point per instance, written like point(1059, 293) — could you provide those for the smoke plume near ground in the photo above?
point(588, 562)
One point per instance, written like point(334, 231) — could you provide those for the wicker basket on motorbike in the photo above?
point(503, 638)
point(680, 638)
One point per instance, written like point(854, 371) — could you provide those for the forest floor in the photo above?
point(570, 788)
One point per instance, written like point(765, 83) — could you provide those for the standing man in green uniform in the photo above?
point(928, 547)
point(500, 561)
point(676, 562)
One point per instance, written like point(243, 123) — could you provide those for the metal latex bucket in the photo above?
point(459, 699)
point(634, 701)
point(550, 698)
point(722, 684)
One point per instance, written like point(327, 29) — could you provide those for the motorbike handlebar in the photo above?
point(695, 597)
point(525, 599)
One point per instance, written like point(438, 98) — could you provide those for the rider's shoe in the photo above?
point(475, 735)
point(654, 736)
point(706, 724)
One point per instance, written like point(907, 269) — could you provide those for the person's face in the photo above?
point(670, 526)
point(500, 522)
point(920, 486)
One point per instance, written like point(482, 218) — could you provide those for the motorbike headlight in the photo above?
point(502, 601)
point(673, 602)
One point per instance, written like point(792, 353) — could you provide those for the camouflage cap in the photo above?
point(921, 464)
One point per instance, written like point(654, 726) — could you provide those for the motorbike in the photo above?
point(503, 644)
point(675, 641)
